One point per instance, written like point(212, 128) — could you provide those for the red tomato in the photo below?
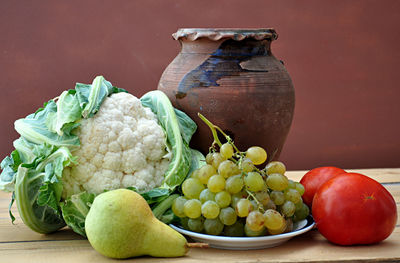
point(314, 178)
point(354, 209)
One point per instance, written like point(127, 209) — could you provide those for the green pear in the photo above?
point(120, 224)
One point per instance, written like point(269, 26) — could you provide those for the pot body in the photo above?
point(237, 84)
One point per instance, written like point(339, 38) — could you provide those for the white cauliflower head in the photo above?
point(121, 146)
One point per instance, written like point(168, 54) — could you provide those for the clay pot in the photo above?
point(231, 77)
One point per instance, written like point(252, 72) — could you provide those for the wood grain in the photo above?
point(19, 244)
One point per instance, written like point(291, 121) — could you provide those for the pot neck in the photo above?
point(226, 47)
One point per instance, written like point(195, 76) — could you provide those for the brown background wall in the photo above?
point(343, 57)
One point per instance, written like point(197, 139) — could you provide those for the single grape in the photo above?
point(177, 206)
point(224, 168)
point(299, 204)
point(196, 224)
point(209, 158)
point(235, 230)
point(207, 195)
point(289, 225)
point(265, 186)
point(244, 207)
point(277, 182)
point(184, 222)
point(195, 174)
point(234, 184)
point(216, 183)
point(275, 167)
point(236, 170)
point(301, 213)
point(255, 204)
point(227, 216)
point(300, 188)
point(288, 208)
point(192, 208)
point(277, 197)
point(292, 195)
point(235, 199)
point(238, 196)
point(254, 181)
point(228, 168)
point(213, 226)
point(291, 184)
point(286, 228)
point(205, 172)
point(246, 165)
point(279, 230)
point(210, 209)
point(273, 219)
point(270, 205)
point(223, 199)
point(226, 150)
point(255, 220)
point(263, 197)
point(250, 233)
point(192, 188)
point(217, 158)
point(256, 154)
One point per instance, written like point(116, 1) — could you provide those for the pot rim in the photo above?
point(215, 34)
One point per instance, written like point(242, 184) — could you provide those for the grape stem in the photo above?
point(260, 207)
point(214, 129)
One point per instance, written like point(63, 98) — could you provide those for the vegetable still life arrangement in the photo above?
point(118, 169)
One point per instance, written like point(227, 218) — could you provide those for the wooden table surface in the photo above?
point(19, 244)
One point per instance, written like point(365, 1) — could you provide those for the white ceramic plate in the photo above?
point(245, 243)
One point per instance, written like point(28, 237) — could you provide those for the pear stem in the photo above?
point(197, 245)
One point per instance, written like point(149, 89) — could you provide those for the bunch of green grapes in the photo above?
point(230, 196)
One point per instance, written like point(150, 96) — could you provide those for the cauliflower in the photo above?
point(121, 146)
point(93, 138)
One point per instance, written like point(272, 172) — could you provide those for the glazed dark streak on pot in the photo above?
point(232, 78)
point(224, 62)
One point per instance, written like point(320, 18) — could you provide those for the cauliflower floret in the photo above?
point(121, 146)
